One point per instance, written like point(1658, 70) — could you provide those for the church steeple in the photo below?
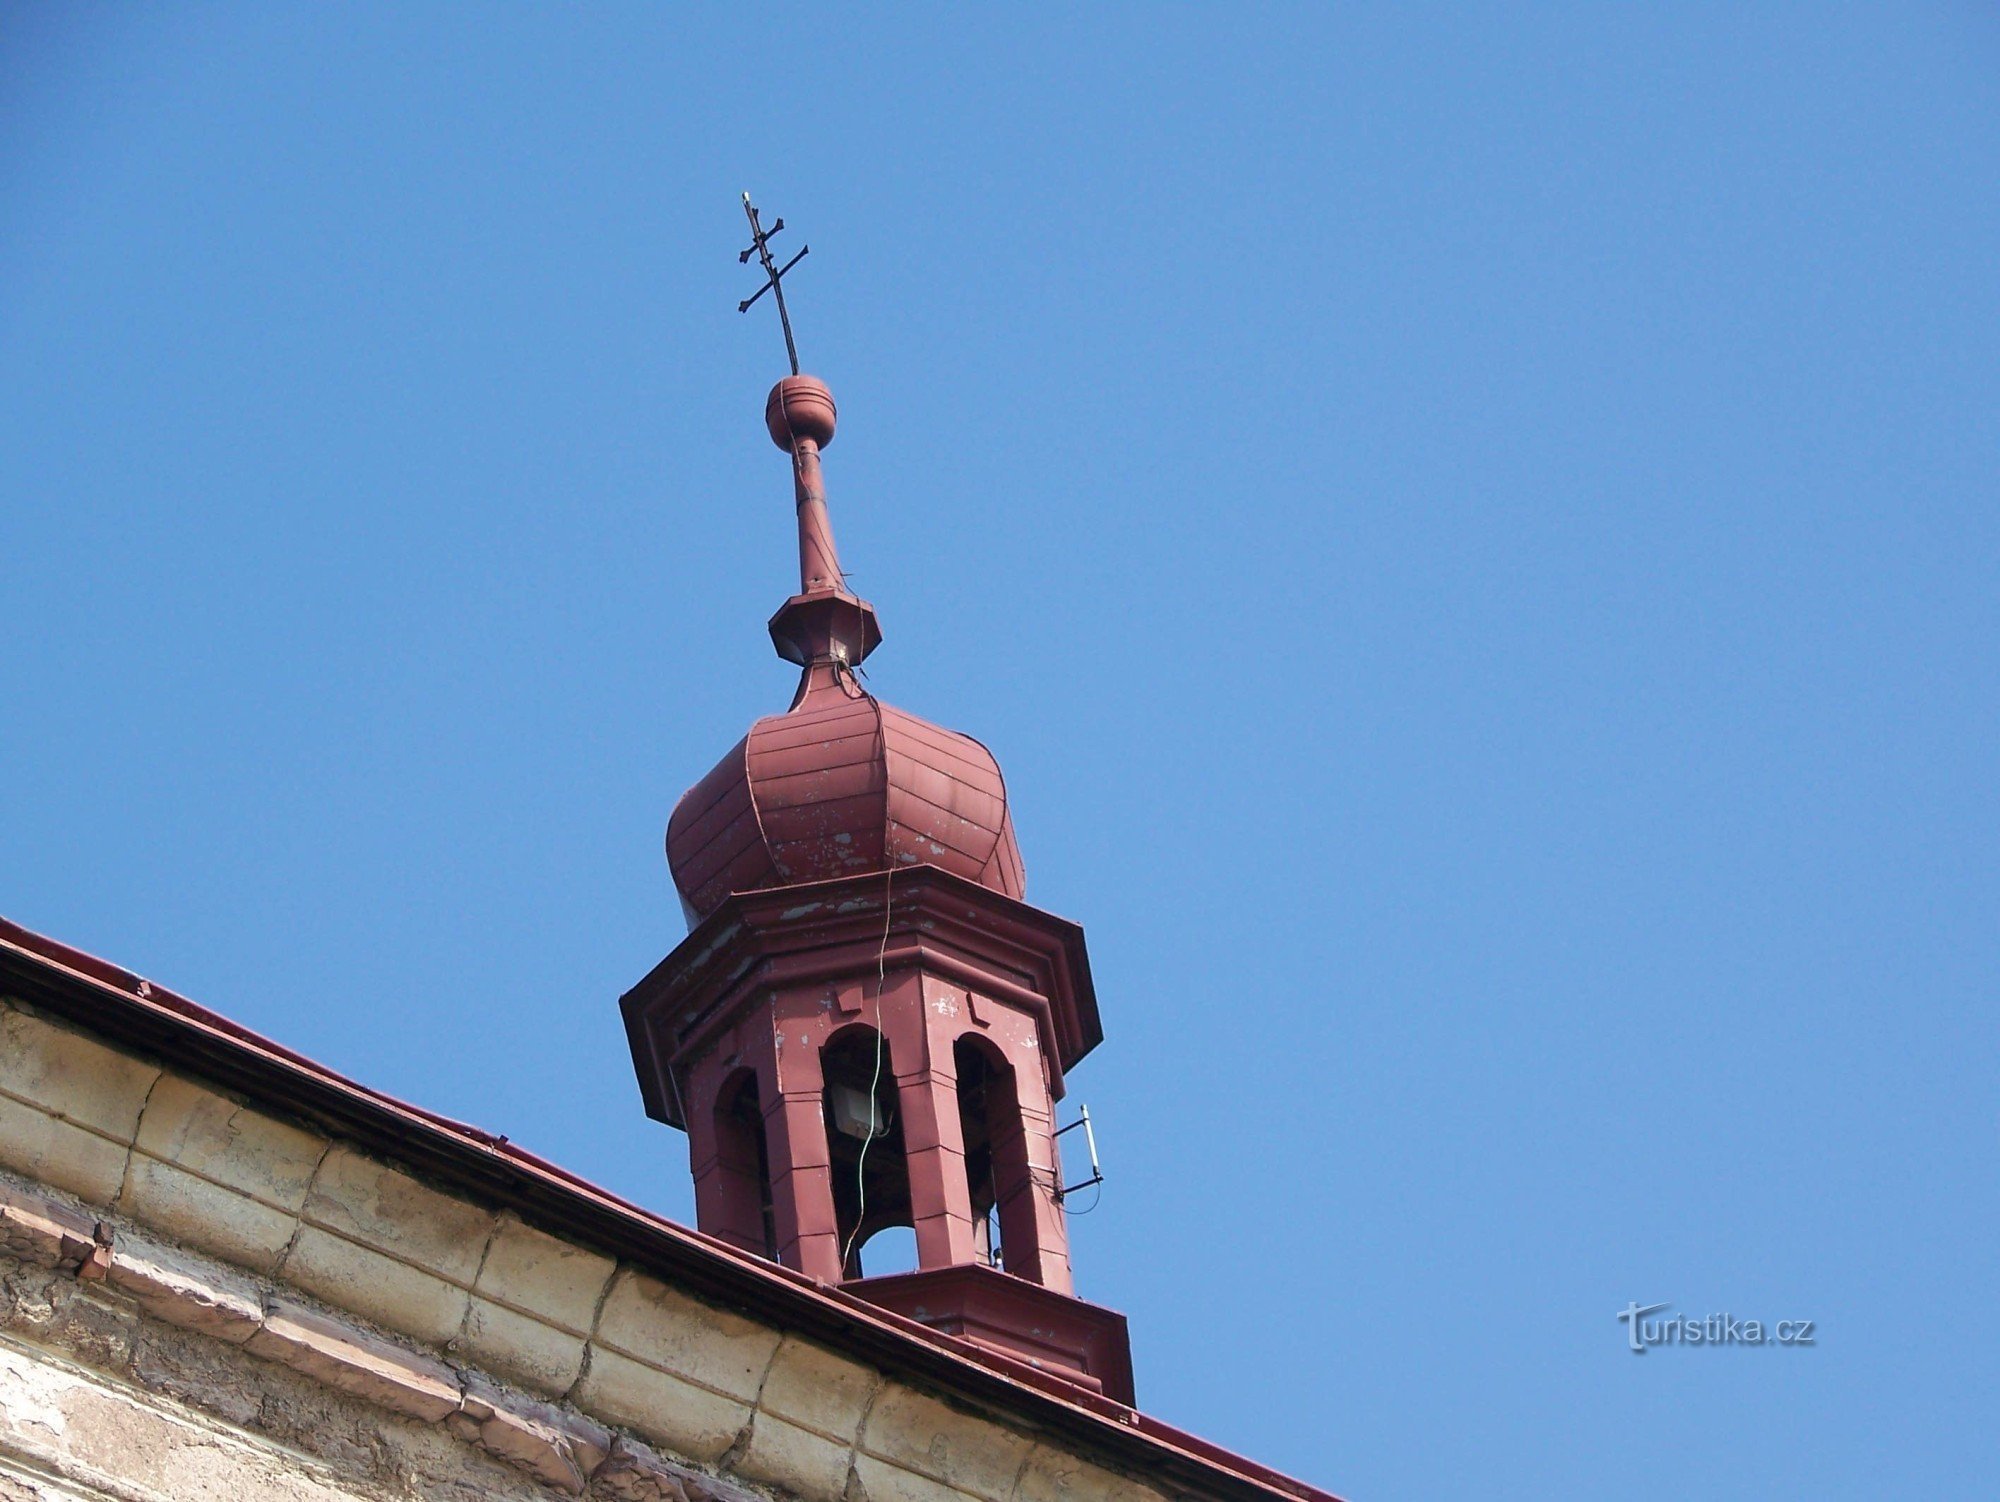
point(867, 1026)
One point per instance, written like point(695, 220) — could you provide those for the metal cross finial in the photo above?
point(760, 247)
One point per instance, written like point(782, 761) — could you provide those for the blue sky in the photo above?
point(1472, 535)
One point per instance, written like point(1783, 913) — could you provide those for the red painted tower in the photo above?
point(866, 1025)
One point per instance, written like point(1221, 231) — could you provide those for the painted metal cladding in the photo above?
point(841, 785)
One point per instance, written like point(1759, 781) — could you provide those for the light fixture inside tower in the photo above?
point(856, 1113)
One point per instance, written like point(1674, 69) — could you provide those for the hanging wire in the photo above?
point(875, 1080)
point(1095, 1200)
point(881, 977)
point(848, 676)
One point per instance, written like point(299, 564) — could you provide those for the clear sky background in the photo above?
point(1473, 536)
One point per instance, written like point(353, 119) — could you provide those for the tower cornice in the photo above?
point(837, 931)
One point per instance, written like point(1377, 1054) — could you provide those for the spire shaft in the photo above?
point(819, 562)
point(823, 622)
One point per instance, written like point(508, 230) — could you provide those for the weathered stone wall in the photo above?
point(215, 1302)
point(97, 1400)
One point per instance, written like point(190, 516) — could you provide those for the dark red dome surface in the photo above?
point(841, 784)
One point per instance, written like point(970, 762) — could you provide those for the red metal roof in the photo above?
point(150, 1019)
point(839, 785)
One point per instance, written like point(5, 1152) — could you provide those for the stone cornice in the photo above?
point(830, 930)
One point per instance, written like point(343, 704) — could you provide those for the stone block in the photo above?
point(633, 1473)
point(810, 1386)
point(553, 1446)
point(907, 1428)
point(688, 1420)
point(1054, 1475)
point(59, 1153)
point(795, 1461)
point(348, 1358)
point(538, 1274)
point(539, 1357)
point(215, 1218)
point(659, 1325)
point(71, 1077)
point(40, 1230)
point(184, 1290)
point(377, 1206)
point(88, 1438)
point(378, 1288)
point(882, 1482)
point(218, 1139)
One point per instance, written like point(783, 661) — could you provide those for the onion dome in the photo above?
point(841, 783)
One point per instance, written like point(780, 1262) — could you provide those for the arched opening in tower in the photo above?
point(871, 1176)
point(996, 1159)
point(743, 1167)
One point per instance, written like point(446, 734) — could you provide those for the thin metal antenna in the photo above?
point(774, 274)
point(1064, 1191)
